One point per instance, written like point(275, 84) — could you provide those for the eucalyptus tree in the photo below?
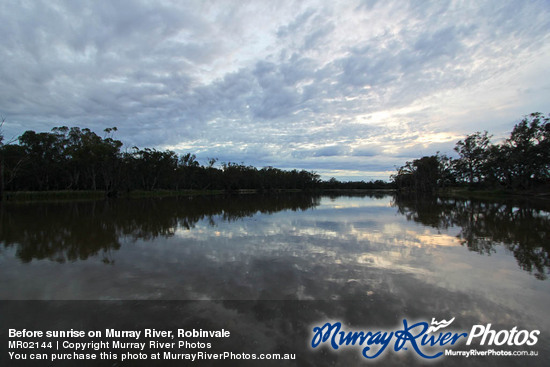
point(420, 175)
point(153, 169)
point(45, 157)
point(529, 151)
point(474, 154)
point(2, 119)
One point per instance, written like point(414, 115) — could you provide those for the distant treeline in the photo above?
point(521, 162)
point(79, 159)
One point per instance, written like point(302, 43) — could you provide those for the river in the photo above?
point(290, 262)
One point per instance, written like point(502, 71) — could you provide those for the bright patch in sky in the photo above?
point(349, 89)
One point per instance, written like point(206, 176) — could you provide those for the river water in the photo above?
point(368, 261)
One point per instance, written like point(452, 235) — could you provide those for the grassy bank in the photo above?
point(165, 193)
point(96, 195)
point(456, 192)
point(52, 195)
point(70, 195)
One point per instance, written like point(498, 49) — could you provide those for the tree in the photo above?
point(13, 163)
point(152, 168)
point(474, 153)
point(2, 119)
point(420, 175)
point(528, 151)
point(45, 153)
point(426, 173)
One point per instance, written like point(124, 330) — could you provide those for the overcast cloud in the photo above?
point(349, 89)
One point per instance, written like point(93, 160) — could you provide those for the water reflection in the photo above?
point(275, 246)
point(272, 266)
point(522, 227)
point(69, 231)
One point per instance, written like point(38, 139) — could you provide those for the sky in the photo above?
point(348, 89)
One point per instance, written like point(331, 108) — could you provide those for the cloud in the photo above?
point(364, 152)
point(356, 85)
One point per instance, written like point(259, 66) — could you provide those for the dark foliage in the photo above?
point(521, 162)
point(79, 159)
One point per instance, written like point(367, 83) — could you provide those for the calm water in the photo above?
point(370, 260)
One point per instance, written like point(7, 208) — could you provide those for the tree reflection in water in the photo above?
point(70, 231)
point(522, 226)
point(270, 278)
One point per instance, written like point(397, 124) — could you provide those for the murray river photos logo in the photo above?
point(428, 341)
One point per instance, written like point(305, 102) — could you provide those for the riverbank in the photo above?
point(461, 192)
point(97, 195)
point(61, 195)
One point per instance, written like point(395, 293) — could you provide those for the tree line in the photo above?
point(521, 162)
point(79, 159)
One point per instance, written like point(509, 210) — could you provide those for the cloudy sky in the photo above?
point(349, 89)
